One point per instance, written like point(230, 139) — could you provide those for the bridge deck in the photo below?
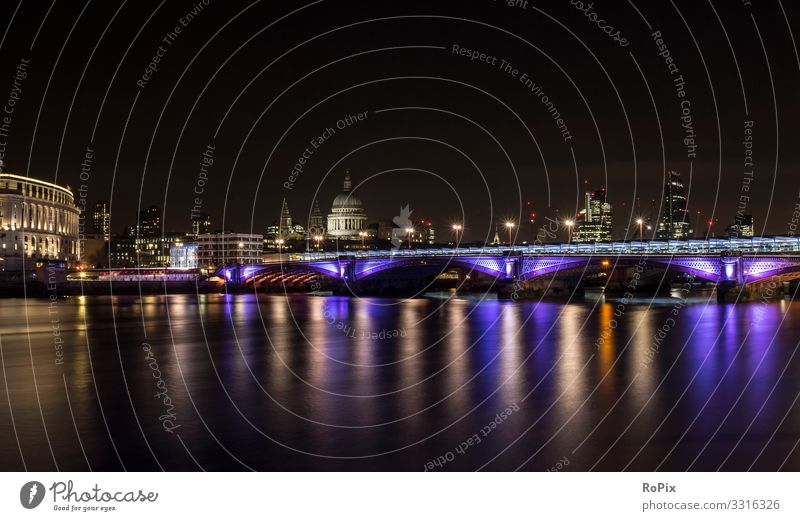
point(755, 245)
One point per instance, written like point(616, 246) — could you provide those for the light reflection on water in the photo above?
point(272, 382)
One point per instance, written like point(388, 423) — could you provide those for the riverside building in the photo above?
point(38, 220)
point(227, 248)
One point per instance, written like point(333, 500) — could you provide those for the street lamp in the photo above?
point(280, 243)
point(409, 231)
point(318, 238)
point(510, 227)
point(640, 222)
point(569, 223)
point(363, 236)
point(457, 228)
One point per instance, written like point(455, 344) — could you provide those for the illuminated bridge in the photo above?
point(727, 262)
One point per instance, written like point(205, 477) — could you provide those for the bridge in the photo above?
point(729, 263)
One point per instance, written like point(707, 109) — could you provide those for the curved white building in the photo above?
point(37, 220)
point(347, 216)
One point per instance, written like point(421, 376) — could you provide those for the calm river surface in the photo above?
point(271, 382)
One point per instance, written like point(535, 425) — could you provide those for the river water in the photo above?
point(274, 382)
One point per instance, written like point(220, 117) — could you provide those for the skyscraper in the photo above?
point(101, 219)
point(595, 222)
point(674, 223)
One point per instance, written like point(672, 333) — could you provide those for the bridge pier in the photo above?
point(232, 276)
point(729, 292)
point(730, 286)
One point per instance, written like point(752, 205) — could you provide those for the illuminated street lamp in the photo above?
point(640, 222)
point(280, 243)
point(318, 238)
point(409, 231)
point(363, 236)
point(569, 223)
point(456, 229)
point(510, 227)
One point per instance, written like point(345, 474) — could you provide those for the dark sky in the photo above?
point(448, 135)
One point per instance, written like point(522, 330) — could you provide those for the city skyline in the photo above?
point(696, 223)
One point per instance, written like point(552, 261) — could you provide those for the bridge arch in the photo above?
point(250, 274)
point(492, 266)
point(759, 269)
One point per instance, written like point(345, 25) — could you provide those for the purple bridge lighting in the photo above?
point(732, 261)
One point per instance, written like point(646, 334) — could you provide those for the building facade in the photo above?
point(385, 228)
point(595, 221)
point(742, 227)
point(381, 230)
point(101, 219)
point(183, 256)
point(153, 251)
point(149, 222)
point(224, 249)
point(37, 220)
point(122, 251)
point(674, 222)
point(424, 232)
point(271, 236)
point(347, 217)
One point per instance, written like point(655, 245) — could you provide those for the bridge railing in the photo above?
point(781, 244)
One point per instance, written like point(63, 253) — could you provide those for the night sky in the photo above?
point(456, 138)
